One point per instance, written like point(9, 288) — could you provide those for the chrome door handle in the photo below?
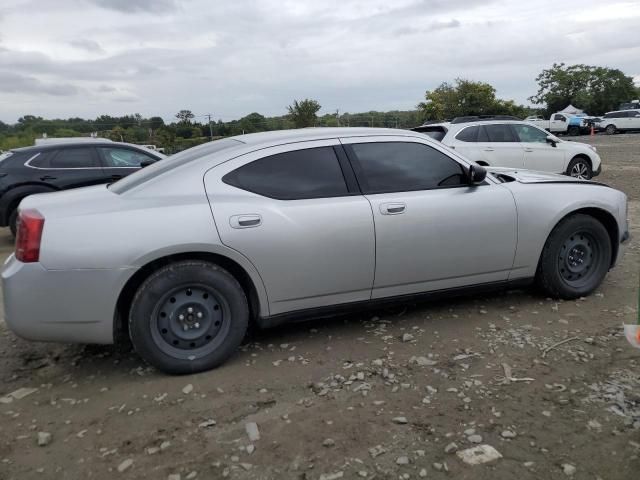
point(245, 221)
point(528, 149)
point(488, 150)
point(392, 208)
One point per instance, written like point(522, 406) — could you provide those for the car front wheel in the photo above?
point(575, 258)
point(610, 130)
point(188, 317)
point(580, 168)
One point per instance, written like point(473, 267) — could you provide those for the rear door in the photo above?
point(500, 146)
point(300, 220)
point(118, 161)
point(538, 153)
point(68, 167)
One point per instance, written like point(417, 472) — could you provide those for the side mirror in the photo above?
point(476, 174)
point(146, 163)
point(552, 140)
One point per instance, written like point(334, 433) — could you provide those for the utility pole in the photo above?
point(208, 115)
point(338, 116)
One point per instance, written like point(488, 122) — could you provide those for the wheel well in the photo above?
point(121, 324)
point(584, 157)
point(610, 224)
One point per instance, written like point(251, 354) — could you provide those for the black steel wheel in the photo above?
point(575, 258)
point(188, 317)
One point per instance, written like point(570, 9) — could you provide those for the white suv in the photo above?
point(516, 144)
point(620, 120)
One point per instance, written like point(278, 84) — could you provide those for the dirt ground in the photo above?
point(379, 394)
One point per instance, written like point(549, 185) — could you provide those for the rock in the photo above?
point(191, 475)
point(187, 389)
point(207, 423)
point(126, 464)
point(402, 460)
point(470, 431)
point(153, 450)
point(252, 431)
point(508, 434)
point(407, 337)
point(400, 420)
point(17, 395)
point(377, 451)
point(438, 466)
point(329, 442)
point(332, 476)
point(164, 445)
point(44, 439)
point(422, 361)
point(479, 455)
point(451, 448)
point(568, 469)
point(529, 464)
point(422, 473)
point(363, 473)
point(251, 449)
point(174, 476)
point(475, 438)
point(594, 425)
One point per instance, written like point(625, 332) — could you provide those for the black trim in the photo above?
point(347, 170)
point(332, 310)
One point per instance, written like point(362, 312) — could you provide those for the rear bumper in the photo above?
point(75, 306)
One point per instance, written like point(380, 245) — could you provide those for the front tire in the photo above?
point(575, 258)
point(188, 317)
point(574, 131)
point(580, 168)
point(610, 130)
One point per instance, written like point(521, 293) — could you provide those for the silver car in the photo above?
point(184, 254)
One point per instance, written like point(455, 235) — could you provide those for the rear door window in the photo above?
point(469, 134)
point(296, 175)
point(80, 157)
point(117, 157)
point(500, 133)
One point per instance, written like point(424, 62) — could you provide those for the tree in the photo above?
point(185, 116)
point(591, 88)
point(303, 114)
point(155, 123)
point(465, 97)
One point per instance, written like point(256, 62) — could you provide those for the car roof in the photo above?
point(96, 143)
point(317, 133)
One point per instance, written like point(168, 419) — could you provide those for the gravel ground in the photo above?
point(393, 393)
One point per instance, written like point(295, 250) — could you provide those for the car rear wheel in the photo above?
point(188, 317)
point(610, 130)
point(575, 258)
point(574, 131)
point(580, 168)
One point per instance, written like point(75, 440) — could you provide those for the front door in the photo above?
point(118, 162)
point(539, 154)
point(433, 231)
point(291, 211)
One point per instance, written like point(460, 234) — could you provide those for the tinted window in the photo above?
point(73, 158)
point(124, 157)
point(310, 173)
point(500, 133)
point(40, 160)
point(469, 134)
point(559, 117)
point(401, 167)
point(527, 133)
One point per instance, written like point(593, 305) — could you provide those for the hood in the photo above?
point(531, 176)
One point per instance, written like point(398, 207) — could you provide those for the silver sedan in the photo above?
point(182, 256)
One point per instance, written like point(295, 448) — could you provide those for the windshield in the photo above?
point(170, 163)
point(5, 155)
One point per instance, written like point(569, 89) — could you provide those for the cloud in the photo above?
point(22, 84)
point(133, 6)
point(86, 44)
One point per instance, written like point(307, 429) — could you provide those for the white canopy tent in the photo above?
point(571, 110)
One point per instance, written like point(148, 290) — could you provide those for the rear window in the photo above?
point(162, 166)
point(469, 134)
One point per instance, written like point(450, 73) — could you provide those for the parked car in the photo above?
point(273, 226)
point(620, 121)
point(59, 166)
point(562, 123)
point(518, 144)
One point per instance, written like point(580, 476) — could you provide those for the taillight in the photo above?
point(30, 225)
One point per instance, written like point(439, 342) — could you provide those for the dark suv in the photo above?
point(60, 166)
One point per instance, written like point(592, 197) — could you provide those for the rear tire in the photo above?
point(188, 317)
point(574, 131)
point(610, 130)
point(575, 258)
point(13, 222)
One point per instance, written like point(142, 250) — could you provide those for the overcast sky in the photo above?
point(83, 58)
